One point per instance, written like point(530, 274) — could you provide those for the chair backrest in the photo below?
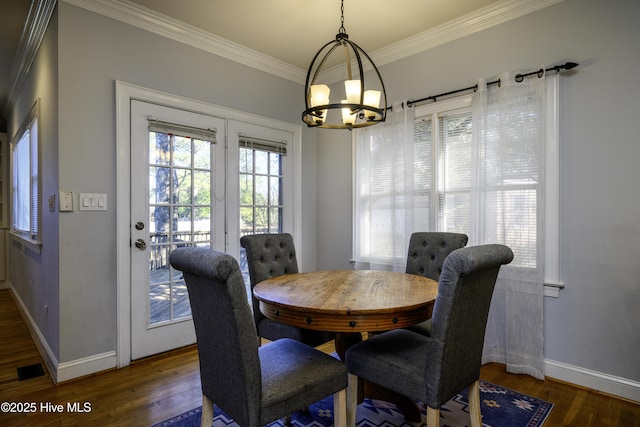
point(459, 319)
point(428, 250)
point(268, 255)
point(226, 334)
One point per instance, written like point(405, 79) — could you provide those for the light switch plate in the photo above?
point(92, 202)
point(66, 200)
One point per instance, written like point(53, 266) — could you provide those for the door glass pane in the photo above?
point(182, 186)
point(182, 151)
point(201, 154)
point(180, 182)
point(261, 196)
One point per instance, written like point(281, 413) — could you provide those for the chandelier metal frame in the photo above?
point(362, 113)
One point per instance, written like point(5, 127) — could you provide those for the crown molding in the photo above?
point(33, 32)
point(127, 12)
point(154, 22)
point(481, 19)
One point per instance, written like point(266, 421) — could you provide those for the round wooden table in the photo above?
point(347, 300)
point(350, 302)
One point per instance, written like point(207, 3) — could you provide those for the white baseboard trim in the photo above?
point(86, 366)
point(606, 383)
point(41, 343)
point(67, 370)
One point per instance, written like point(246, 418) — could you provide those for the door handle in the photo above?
point(140, 244)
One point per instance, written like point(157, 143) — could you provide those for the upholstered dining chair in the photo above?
point(252, 384)
point(272, 255)
point(434, 369)
point(426, 255)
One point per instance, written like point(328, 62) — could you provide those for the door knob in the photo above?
point(140, 244)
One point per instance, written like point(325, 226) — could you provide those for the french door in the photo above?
point(178, 199)
point(191, 173)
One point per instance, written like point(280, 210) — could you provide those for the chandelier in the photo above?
point(360, 105)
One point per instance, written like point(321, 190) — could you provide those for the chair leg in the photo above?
point(433, 417)
point(474, 404)
point(340, 409)
point(352, 399)
point(207, 412)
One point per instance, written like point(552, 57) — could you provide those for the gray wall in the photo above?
point(92, 52)
point(33, 274)
point(595, 323)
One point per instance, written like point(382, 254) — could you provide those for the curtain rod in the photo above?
point(518, 77)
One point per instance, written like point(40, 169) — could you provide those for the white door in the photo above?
point(177, 188)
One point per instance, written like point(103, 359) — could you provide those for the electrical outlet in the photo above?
point(66, 201)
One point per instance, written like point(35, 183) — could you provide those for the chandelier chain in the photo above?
point(342, 30)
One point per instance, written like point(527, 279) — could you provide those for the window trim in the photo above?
point(34, 242)
point(552, 281)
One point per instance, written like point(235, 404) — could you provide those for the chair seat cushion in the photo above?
point(399, 362)
point(422, 328)
point(294, 374)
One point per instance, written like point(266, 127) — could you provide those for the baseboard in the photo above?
point(65, 371)
point(86, 366)
point(610, 384)
point(41, 343)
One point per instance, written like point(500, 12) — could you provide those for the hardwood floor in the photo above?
point(160, 387)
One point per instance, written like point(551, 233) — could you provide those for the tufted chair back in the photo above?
point(268, 255)
point(428, 250)
point(272, 255)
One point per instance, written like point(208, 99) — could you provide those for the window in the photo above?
point(422, 182)
point(450, 135)
point(25, 218)
point(181, 179)
point(445, 136)
point(261, 192)
point(413, 174)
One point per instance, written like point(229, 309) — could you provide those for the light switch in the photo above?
point(93, 202)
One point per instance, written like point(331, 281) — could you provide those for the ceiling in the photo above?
point(287, 31)
point(293, 30)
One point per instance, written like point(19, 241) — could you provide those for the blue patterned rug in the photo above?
point(501, 407)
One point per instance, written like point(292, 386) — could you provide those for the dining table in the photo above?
point(350, 303)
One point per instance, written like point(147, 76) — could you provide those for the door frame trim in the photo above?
point(125, 92)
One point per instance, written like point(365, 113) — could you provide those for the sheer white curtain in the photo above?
point(507, 207)
point(384, 191)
